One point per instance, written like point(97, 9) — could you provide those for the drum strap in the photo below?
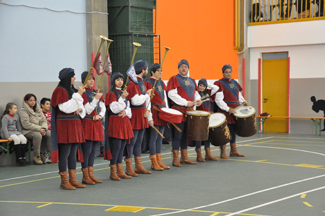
point(179, 108)
point(177, 128)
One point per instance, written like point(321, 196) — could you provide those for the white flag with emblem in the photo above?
point(131, 73)
point(108, 66)
point(98, 64)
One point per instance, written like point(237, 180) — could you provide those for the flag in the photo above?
point(108, 66)
point(131, 73)
point(98, 64)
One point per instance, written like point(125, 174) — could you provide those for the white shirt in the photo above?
point(223, 105)
point(90, 107)
point(118, 106)
point(139, 99)
point(73, 105)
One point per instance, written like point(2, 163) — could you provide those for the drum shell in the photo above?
point(170, 117)
point(246, 126)
point(197, 127)
point(219, 135)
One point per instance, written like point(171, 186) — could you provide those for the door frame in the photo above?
point(260, 92)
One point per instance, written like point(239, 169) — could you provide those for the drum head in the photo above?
point(198, 113)
point(171, 111)
point(245, 111)
point(216, 119)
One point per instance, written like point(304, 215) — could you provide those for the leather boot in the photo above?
point(128, 170)
point(73, 180)
point(139, 167)
point(154, 164)
point(85, 178)
point(234, 152)
point(19, 159)
point(65, 184)
point(176, 159)
point(184, 157)
point(37, 160)
point(92, 176)
point(208, 155)
point(23, 153)
point(223, 152)
point(120, 172)
point(158, 156)
point(199, 157)
point(113, 175)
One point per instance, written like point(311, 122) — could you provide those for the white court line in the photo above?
point(45, 173)
point(243, 196)
point(275, 201)
point(289, 149)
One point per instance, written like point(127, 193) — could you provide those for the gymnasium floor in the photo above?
point(281, 175)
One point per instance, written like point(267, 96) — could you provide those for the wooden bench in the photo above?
point(6, 149)
point(316, 120)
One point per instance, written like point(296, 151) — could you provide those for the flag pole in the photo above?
point(136, 45)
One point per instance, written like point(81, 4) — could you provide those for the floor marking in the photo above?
point(290, 149)
point(29, 181)
point(43, 205)
point(275, 201)
point(299, 141)
point(303, 196)
point(125, 209)
point(249, 194)
point(307, 144)
point(309, 165)
point(259, 161)
point(307, 204)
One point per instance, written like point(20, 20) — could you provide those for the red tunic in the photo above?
point(138, 121)
point(119, 127)
point(157, 100)
point(228, 97)
point(70, 130)
point(93, 130)
point(173, 83)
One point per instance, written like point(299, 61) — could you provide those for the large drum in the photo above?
point(219, 133)
point(245, 121)
point(170, 115)
point(197, 123)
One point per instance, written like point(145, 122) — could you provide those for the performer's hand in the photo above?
point(231, 111)
point(103, 127)
point(190, 104)
point(245, 103)
point(198, 102)
point(81, 90)
point(78, 111)
point(9, 139)
point(151, 123)
point(97, 117)
point(124, 94)
point(98, 95)
point(146, 114)
point(122, 114)
point(149, 92)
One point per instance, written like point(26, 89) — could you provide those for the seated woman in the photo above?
point(34, 126)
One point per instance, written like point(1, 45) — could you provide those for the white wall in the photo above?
point(35, 44)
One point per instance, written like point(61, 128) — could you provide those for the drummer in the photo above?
point(158, 101)
point(207, 94)
point(227, 98)
point(183, 92)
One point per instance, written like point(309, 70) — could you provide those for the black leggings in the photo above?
point(88, 151)
point(232, 128)
point(67, 156)
point(117, 149)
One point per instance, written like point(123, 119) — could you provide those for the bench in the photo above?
point(6, 149)
point(316, 120)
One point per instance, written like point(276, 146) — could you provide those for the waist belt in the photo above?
point(89, 117)
point(138, 107)
point(67, 117)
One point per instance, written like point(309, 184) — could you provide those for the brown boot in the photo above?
point(128, 170)
point(37, 160)
point(154, 163)
point(208, 155)
point(139, 167)
point(184, 157)
point(120, 172)
point(199, 157)
point(92, 176)
point(223, 152)
point(234, 152)
point(65, 184)
point(73, 179)
point(158, 156)
point(86, 179)
point(113, 175)
point(176, 159)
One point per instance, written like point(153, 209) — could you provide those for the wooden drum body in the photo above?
point(245, 121)
point(197, 123)
point(219, 133)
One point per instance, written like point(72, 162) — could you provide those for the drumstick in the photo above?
point(176, 127)
point(201, 101)
point(205, 96)
point(157, 131)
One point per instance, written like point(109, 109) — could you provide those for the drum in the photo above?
point(170, 115)
point(219, 133)
point(245, 121)
point(197, 123)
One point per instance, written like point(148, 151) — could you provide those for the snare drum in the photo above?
point(170, 115)
point(197, 123)
point(219, 133)
point(245, 121)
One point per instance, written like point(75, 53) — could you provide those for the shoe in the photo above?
point(48, 158)
point(37, 160)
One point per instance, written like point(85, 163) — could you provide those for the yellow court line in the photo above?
point(307, 144)
point(107, 205)
point(303, 196)
point(44, 205)
point(260, 161)
point(307, 204)
point(29, 181)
